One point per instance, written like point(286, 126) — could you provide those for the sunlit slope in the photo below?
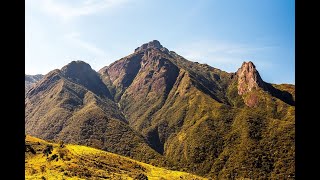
point(81, 162)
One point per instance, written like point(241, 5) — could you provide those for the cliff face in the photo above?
point(248, 78)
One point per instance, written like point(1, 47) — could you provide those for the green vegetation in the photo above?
point(201, 125)
point(71, 113)
point(166, 111)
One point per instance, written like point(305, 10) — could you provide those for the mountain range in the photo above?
point(157, 107)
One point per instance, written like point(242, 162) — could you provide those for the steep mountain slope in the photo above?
point(191, 113)
point(186, 116)
point(73, 105)
point(67, 161)
point(30, 80)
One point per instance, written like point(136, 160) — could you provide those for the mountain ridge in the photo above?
point(78, 115)
point(185, 115)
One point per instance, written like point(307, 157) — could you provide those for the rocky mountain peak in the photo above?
point(248, 78)
point(152, 44)
point(76, 67)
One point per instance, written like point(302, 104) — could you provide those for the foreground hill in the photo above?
point(44, 160)
point(158, 107)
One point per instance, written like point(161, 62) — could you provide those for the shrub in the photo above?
point(43, 168)
point(29, 149)
point(53, 157)
point(61, 144)
point(32, 171)
point(48, 150)
point(63, 153)
point(141, 177)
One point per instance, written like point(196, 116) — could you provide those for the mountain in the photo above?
point(66, 161)
point(74, 105)
point(186, 115)
point(30, 80)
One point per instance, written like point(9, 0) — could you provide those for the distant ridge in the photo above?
point(30, 80)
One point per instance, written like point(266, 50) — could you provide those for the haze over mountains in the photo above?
point(157, 107)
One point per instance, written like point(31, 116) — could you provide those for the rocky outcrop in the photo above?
point(248, 78)
point(152, 44)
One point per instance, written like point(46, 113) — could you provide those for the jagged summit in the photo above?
point(152, 44)
point(248, 78)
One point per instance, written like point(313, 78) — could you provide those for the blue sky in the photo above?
point(220, 33)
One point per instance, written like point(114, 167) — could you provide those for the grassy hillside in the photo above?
point(69, 161)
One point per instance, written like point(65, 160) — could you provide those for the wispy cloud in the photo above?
point(66, 10)
point(75, 39)
point(225, 55)
point(96, 56)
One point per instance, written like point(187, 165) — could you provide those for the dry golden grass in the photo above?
point(81, 162)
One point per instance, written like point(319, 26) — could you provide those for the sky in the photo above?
point(220, 33)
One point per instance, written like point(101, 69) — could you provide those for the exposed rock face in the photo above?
point(248, 78)
point(152, 44)
point(120, 74)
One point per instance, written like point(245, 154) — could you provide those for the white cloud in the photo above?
point(66, 11)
